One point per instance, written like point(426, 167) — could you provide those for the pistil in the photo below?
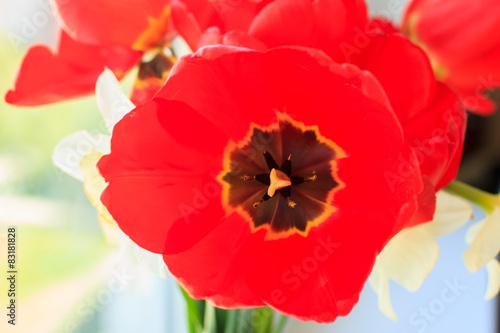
point(279, 180)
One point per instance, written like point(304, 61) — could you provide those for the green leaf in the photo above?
point(194, 313)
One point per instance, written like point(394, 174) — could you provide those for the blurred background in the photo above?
point(67, 280)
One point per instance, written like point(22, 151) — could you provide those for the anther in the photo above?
point(257, 204)
point(248, 177)
point(310, 178)
point(291, 203)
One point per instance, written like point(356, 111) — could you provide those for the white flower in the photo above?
point(484, 240)
point(411, 255)
point(78, 154)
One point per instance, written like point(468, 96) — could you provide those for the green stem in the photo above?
point(485, 200)
point(195, 322)
point(210, 322)
point(281, 324)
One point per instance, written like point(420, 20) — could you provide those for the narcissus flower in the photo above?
point(95, 35)
point(483, 236)
point(77, 155)
point(261, 178)
point(410, 256)
point(461, 37)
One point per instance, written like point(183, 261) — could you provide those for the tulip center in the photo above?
point(281, 178)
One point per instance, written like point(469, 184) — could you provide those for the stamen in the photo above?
point(279, 180)
point(271, 163)
point(286, 167)
point(310, 178)
point(299, 180)
point(257, 204)
point(248, 177)
point(291, 203)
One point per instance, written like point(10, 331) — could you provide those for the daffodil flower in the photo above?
point(411, 255)
point(483, 236)
point(78, 154)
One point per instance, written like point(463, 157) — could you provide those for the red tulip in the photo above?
point(263, 178)
point(202, 22)
point(47, 77)
point(324, 24)
point(97, 34)
point(138, 24)
point(461, 37)
point(432, 117)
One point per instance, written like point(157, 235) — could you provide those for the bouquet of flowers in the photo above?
point(274, 155)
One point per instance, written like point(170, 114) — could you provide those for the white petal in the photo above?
point(94, 185)
point(111, 100)
point(486, 244)
point(152, 261)
point(180, 47)
point(410, 256)
point(473, 231)
point(493, 268)
point(379, 281)
point(452, 212)
point(70, 150)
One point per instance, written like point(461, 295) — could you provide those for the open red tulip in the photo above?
point(203, 22)
point(95, 35)
point(432, 117)
point(138, 24)
point(263, 178)
point(47, 77)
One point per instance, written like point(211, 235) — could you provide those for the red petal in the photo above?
point(473, 79)
point(226, 15)
point(222, 260)
point(211, 36)
point(318, 277)
point(45, 77)
point(115, 22)
point(404, 71)
point(449, 42)
point(466, 58)
point(238, 38)
point(324, 24)
point(222, 88)
point(191, 17)
point(430, 113)
point(156, 179)
point(186, 24)
point(437, 135)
